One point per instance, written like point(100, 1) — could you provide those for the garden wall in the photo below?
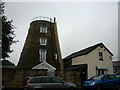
point(15, 78)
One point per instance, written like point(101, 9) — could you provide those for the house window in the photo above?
point(101, 70)
point(43, 53)
point(43, 29)
point(43, 41)
point(100, 56)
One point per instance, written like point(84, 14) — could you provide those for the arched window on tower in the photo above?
point(43, 54)
point(43, 29)
point(43, 41)
point(55, 55)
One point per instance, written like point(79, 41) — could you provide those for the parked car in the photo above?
point(103, 81)
point(47, 82)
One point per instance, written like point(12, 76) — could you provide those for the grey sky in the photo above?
point(80, 24)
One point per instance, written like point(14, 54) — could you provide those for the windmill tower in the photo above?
point(41, 49)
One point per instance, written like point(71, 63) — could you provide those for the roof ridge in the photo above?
point(86, 51)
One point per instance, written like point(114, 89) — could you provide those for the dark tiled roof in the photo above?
point(77, 67)
point(2, 66)
point(116, 63)
point(86, 51)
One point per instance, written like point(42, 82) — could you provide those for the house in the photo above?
point(96, 59)
point(116, 66)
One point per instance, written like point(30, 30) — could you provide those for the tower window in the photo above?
point(43, 53)
point(43, 41)
point(100, 56)
point(43, 29)
point(55, 54)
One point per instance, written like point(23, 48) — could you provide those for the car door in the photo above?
point(58, 83)
point(105, 81)
point(108, 81)
point(46, 83)
point(36, 82)
point(112, 80)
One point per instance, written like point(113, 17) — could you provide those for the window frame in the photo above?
point(43, 41)
point(42, 55)
point(56, 80)
point(55, 56)
point(43, 29)
point(36, 80)
point(100, 56)
point(46, 80)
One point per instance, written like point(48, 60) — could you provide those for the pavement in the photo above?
point(80, 88)
point(23, 89)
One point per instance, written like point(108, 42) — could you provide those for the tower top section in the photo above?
point(44, 18)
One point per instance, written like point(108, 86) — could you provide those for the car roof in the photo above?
point(107, 74)
point(41, 76)
point(104, 74)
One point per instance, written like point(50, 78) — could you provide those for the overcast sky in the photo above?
point(80, 24)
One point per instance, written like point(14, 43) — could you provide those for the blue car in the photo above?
point(99, 82)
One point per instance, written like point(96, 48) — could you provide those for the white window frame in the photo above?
point(100, 56)
point(43, 54)
point(43, 29)
point(55, 55)
point(43, 41)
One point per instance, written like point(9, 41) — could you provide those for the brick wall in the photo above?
point(70, 76)
point(15, 78)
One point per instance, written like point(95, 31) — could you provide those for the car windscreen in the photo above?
point(97, 77)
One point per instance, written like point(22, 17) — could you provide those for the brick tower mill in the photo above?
point(41, 49)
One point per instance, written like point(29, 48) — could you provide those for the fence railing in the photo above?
point(43, 18)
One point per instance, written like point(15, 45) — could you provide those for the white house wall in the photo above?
point(92, 59)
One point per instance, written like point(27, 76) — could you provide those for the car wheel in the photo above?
point(118, 87)
point(71, 88)
point(98, 88)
